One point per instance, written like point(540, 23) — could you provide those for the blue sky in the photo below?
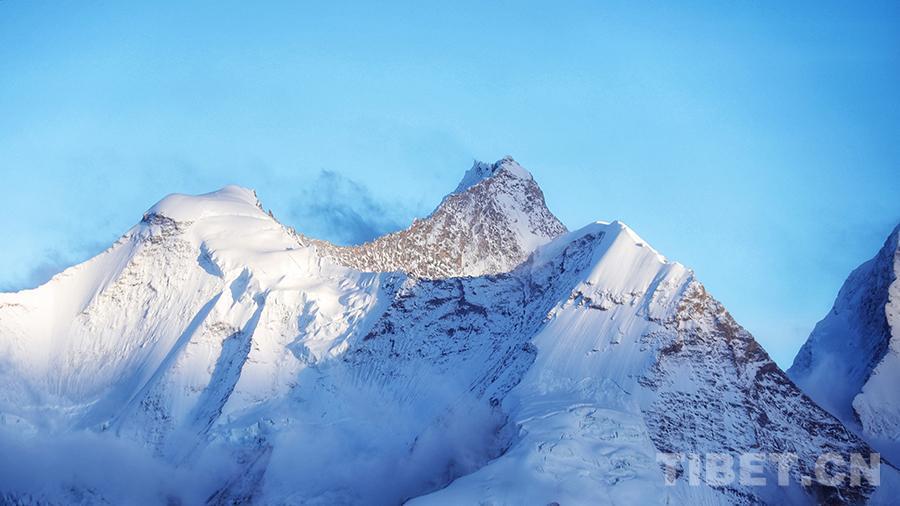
point(756, 142)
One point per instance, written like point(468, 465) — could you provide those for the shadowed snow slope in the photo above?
point(851, 362)
point(484, 355)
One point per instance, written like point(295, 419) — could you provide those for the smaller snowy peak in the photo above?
point(231, 200)
point(619, 262)
point(481, 171)
point(850, 364)
point(605, 232)
point(229, 230)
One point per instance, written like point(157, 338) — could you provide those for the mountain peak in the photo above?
point(482, 170)
point(231, 200)
point(491, 223)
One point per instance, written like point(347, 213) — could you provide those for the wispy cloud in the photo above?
point(51, 262)
point(344, 211)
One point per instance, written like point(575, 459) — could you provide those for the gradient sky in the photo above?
point(756, 142)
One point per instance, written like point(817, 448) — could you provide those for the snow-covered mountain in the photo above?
point(484, 355)
point(851, 362)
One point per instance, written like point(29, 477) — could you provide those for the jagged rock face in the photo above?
point(851, 362)
point(212, 333)
point(491, 223)
point(740, 402)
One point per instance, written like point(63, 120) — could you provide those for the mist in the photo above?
point(89, 468)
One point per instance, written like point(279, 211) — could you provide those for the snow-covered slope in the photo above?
point(636, 358)
point(238, 361)
point(851, 362)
